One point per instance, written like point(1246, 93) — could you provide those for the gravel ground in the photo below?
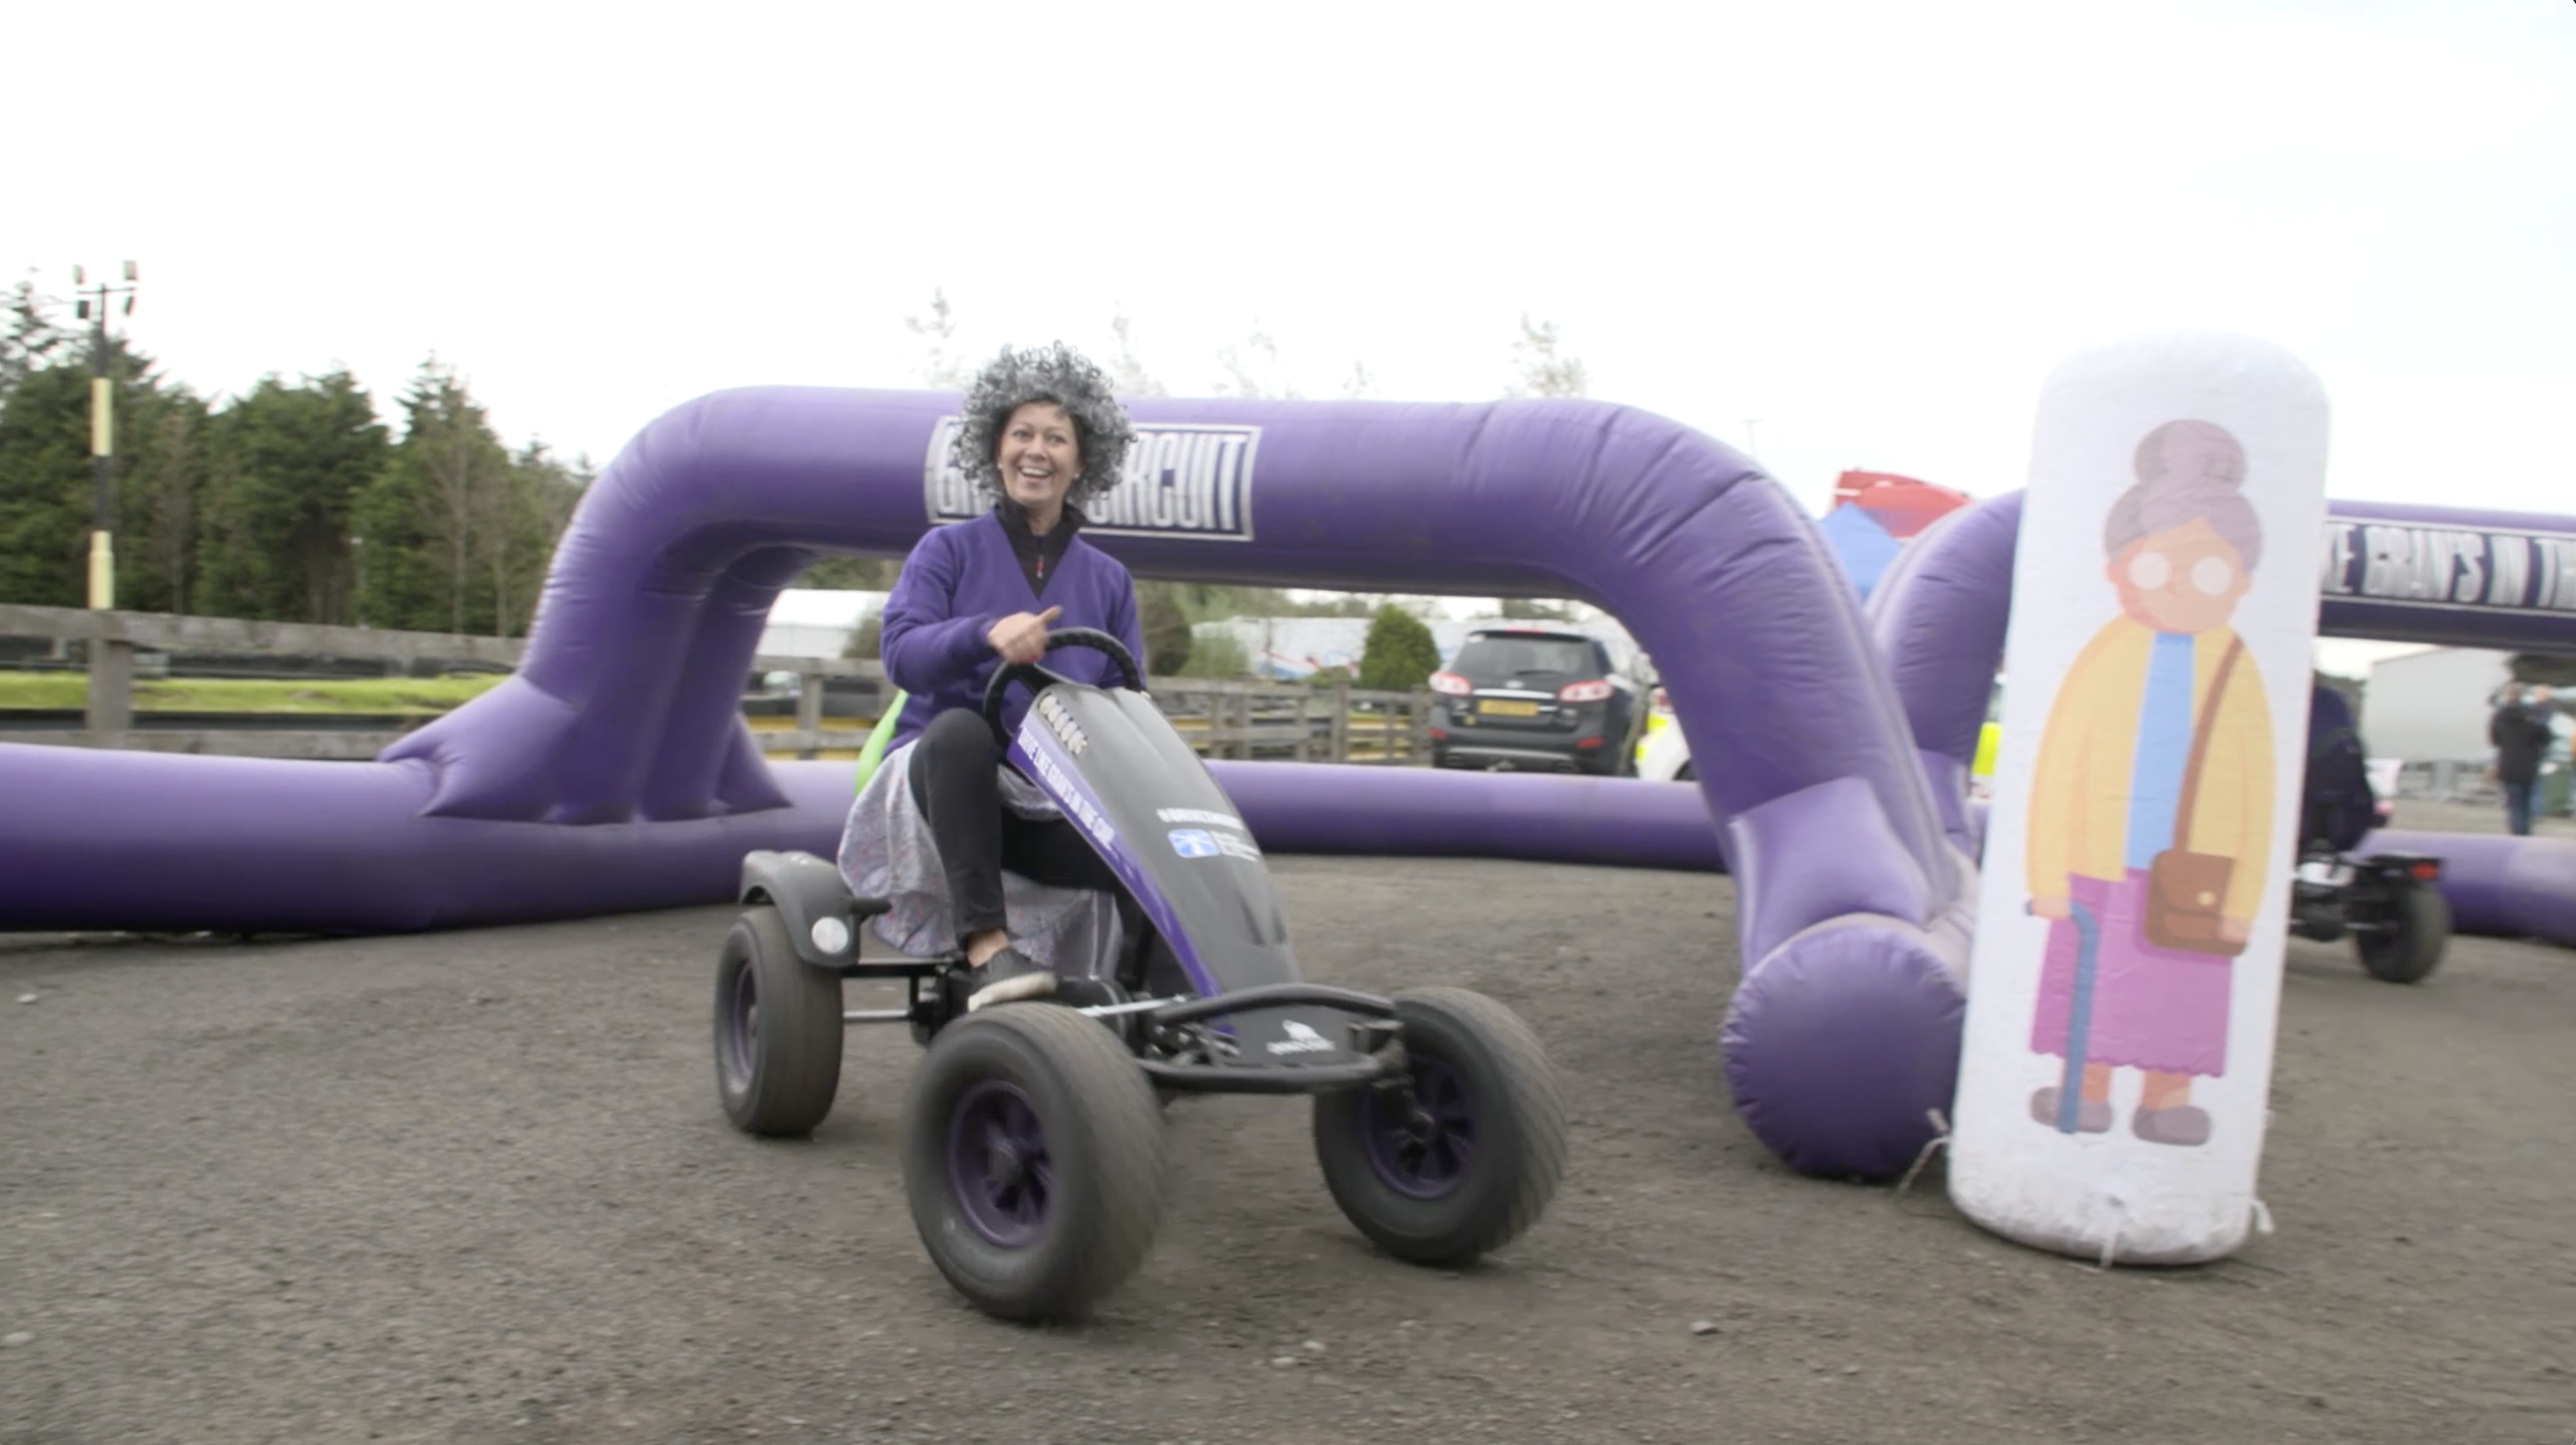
point(475, 1187)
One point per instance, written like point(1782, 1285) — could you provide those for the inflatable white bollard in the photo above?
point(2126, 980)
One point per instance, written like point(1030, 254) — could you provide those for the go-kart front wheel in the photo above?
point(1033, 1158)
point(2415, 929)
point(1469, 1156)
point(778, 1030)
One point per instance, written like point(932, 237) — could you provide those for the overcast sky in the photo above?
point(1871, 227)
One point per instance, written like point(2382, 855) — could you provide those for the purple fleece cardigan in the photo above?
point(962, 579)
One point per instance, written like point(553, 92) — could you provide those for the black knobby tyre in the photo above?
point(1484, 1167)
point(777, 1030)
point(1033, 1156)
point(2411, 947)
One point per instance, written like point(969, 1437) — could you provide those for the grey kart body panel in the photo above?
point(806, 890)
point(1152, 810)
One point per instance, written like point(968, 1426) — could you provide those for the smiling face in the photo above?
point(2186, 579)
point(1038, 454)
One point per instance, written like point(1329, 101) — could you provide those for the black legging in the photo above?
point(956, 785)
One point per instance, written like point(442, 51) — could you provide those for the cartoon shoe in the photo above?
point(2184, 1124)
point(2093, 1116)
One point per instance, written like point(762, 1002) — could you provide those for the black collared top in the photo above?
point(1038, 555)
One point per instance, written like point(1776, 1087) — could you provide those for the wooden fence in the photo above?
point(1219, 718)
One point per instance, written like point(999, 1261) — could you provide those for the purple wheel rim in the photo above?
point(742, 1027)
point(998, 1166)
point(1427, 1155)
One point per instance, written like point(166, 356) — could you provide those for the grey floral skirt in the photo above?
point(887, 852)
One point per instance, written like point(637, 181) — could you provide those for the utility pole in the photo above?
point(92, 306)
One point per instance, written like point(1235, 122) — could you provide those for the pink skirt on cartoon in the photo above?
point(2153, 1008)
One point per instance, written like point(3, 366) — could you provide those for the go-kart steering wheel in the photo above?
point(1036, 676)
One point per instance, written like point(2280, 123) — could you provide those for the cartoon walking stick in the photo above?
point(2079, 1019)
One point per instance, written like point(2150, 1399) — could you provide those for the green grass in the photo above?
point(205, 694)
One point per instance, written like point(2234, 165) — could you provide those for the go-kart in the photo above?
point(1033, 1144)
point(2398, 919)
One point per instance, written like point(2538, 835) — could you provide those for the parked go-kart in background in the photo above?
point(1532, 699)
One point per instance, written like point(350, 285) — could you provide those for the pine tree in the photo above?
point(33, 339)
point(1166, 625)
point(289, 462)
point(48, 485)
point(433, 515)
point(160, 499)
point(45, 488)
point(521, 522)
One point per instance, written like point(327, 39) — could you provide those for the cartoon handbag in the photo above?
point(2185, 889)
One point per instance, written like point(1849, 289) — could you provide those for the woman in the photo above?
point(2151, 807)
point(944, 816)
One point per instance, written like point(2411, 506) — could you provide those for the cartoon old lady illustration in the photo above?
point(2151, 812)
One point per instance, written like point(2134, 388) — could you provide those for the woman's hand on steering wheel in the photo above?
point(1034, 677)
point(1022, 636)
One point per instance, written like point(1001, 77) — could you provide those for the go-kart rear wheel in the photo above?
point(1033, 1158)
point(1475, 1157)
point(2416, 930)
point(777, 1030)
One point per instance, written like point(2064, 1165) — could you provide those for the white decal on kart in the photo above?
point(1301, 1040)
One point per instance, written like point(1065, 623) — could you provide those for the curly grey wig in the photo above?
point(1055, 374)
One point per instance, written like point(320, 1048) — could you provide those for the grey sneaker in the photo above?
point(1008, 976)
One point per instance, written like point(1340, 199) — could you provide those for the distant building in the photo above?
point(2433, 705)
point(811, 622)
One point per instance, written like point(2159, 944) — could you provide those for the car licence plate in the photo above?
point(1499, 707)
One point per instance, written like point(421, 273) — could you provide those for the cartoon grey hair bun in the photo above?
point(2188, 471)
point(1054, 373)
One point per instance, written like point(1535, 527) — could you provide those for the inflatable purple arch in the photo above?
point(614, 771)
point(2399, 573)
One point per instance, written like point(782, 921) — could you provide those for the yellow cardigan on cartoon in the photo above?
point(2079, 816)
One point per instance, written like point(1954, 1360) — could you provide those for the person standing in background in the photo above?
point(2544, 715)
point(2519, 730)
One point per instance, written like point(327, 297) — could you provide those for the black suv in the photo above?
point(1527, 698)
